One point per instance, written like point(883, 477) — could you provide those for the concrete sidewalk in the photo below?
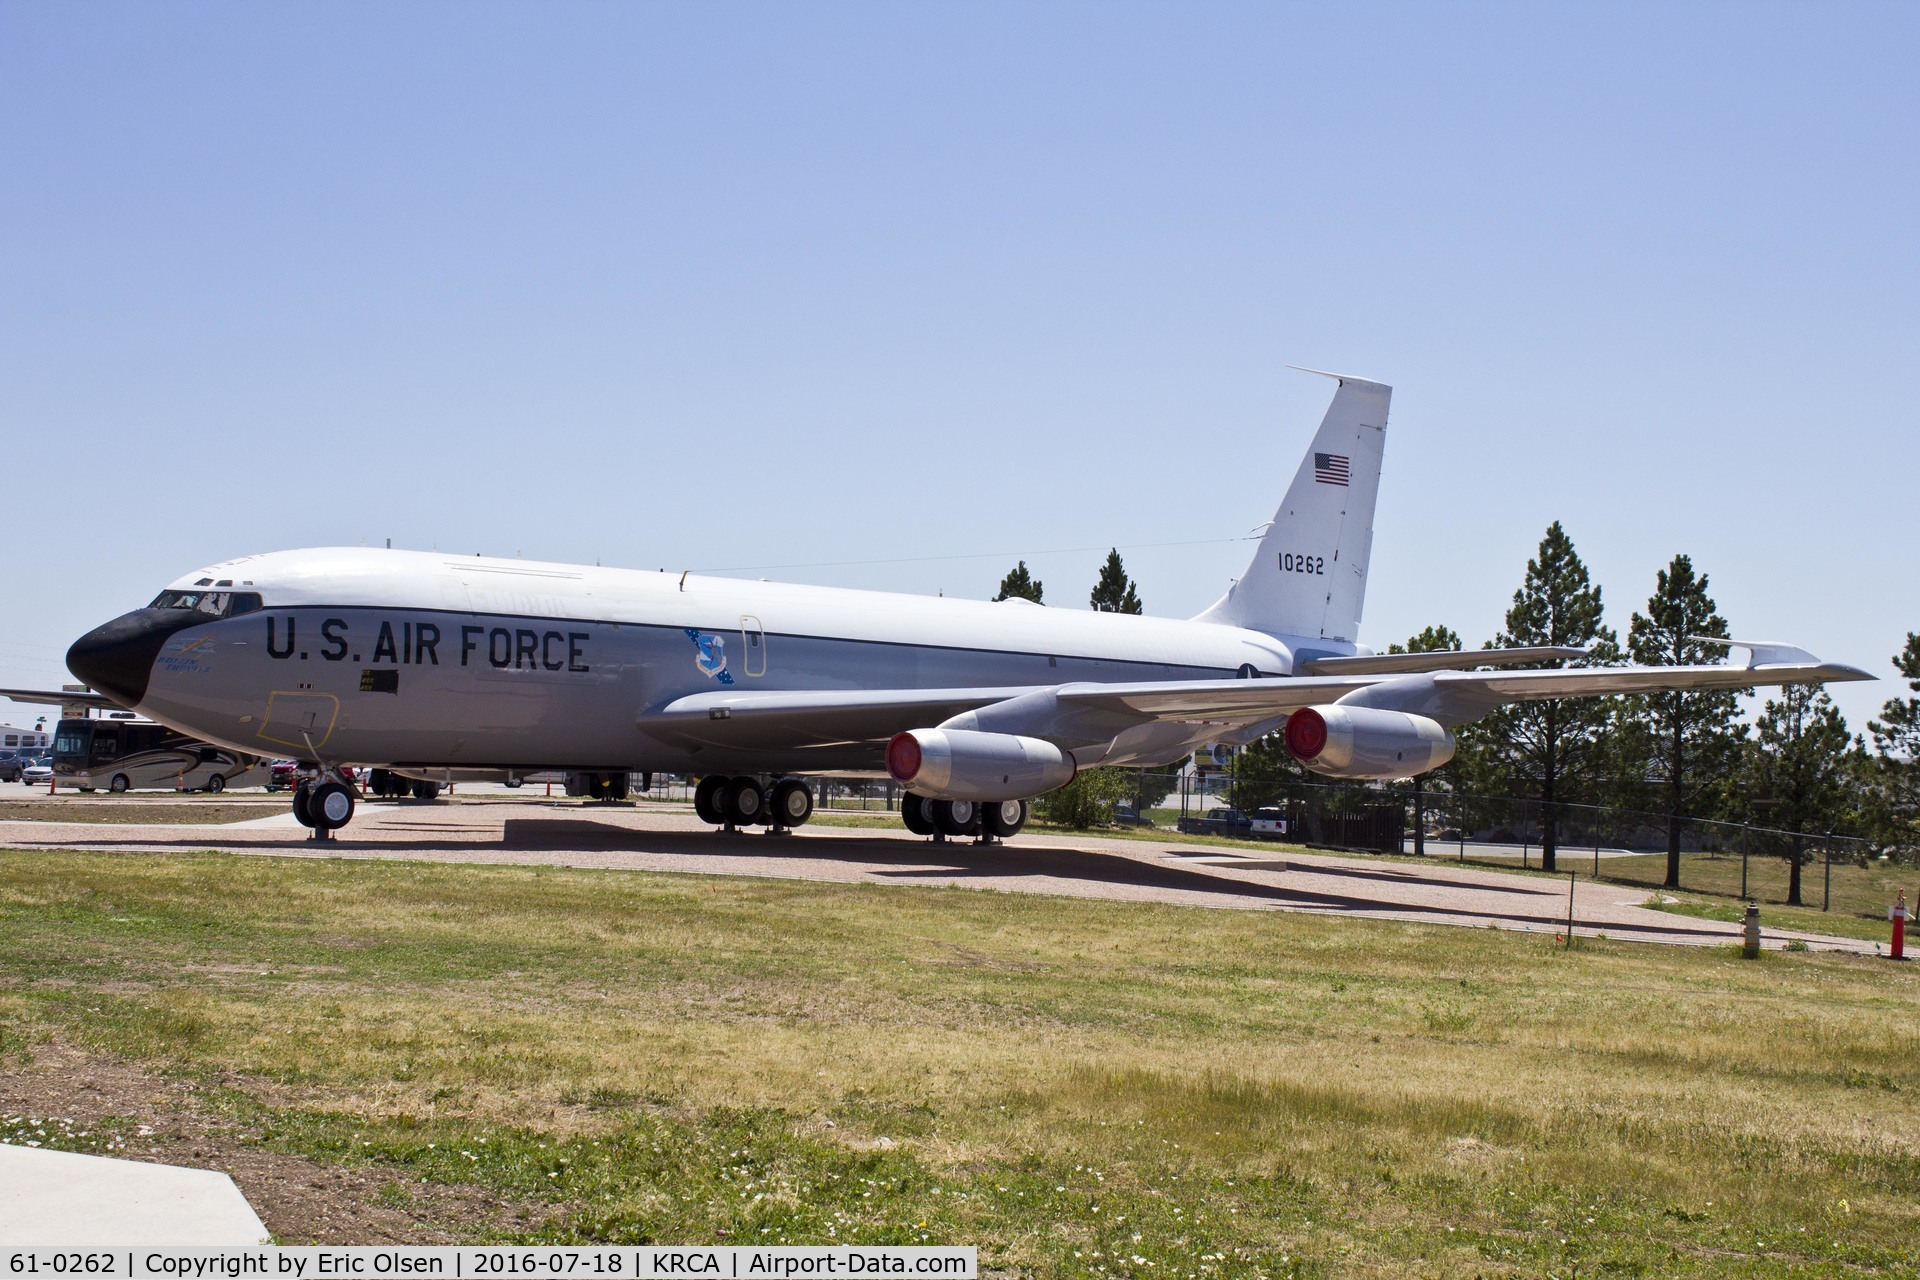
point(59, 1198)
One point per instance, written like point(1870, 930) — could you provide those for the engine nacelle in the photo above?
point(1363, 742)
point(962, 764)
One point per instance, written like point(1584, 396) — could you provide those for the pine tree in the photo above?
point(1801, 761)
point(1261, 772)
point(1430, 640)
point(1689, 741)
point(1896, 735)
point(1114, 592)
point(1554, 748)
point(1020, 585)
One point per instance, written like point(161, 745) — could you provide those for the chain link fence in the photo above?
point(1627, 846)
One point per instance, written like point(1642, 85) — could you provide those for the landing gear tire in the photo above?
point(746, 801)
point(913, 813)
point(118, 784)
point(516, 782)
point(710, 800)
point(216, 784)
point(425, 791)
point(330, 805)
point(956, 817)
point(301, 814)
point(1002, 820)
point(791, 803)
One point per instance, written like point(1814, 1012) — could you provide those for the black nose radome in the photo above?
point(117, 659)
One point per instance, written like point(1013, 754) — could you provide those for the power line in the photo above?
point(974, 555)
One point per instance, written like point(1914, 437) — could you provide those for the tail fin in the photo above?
point(1309, 577)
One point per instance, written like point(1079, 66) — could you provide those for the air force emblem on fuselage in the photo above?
point(710, 655)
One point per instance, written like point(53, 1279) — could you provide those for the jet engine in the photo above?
point(962, 764)
point(1364, 742)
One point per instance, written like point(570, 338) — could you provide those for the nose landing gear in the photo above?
point(324, 803)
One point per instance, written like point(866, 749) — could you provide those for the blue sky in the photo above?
point(930, 287)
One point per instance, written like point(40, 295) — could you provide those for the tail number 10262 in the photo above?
point(1293, 562)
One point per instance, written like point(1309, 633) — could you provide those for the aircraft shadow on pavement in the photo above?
point(1414, 877)
point(883, 857)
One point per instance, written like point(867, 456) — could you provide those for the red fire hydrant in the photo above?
point(1898, 914)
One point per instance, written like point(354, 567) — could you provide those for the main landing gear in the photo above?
point(731, 803)
point(324, 803)
point(988, 822)
point(384, 784)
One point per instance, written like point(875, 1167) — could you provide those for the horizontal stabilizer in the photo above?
point(1374, 664)
point(1763, 653)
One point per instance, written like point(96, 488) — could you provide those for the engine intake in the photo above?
point(1364, 742)
point(961, 764)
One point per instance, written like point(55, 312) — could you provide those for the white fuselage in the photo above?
point(419, 659)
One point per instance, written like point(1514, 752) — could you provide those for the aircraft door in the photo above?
point(753, 645)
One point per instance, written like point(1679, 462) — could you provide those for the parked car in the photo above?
point(39, 773)
point(283, 775)
point(12, 764)
point(1268, 824)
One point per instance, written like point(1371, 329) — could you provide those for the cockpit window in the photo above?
point(215, 604)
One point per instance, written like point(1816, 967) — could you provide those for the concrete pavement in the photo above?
point(533, 830)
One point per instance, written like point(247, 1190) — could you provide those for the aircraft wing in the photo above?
point(51, 698)
point(1082, 715)
point(809, 717)
point(804, 718)
point(1448, 696)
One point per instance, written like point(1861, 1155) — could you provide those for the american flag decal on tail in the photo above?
point(1330, 468)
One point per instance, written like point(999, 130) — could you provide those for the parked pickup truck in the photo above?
point(1217, 822)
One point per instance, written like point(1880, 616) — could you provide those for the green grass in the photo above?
point(1862, 892)
point(1800, 919)
point(1078, 1087)
point(141, 811)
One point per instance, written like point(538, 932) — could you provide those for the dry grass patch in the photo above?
point(1245, 1093)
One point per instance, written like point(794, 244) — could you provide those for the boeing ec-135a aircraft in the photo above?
point(440, 667)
